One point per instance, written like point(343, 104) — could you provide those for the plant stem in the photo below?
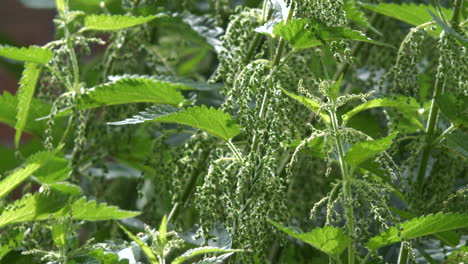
point(235, 151)
point(346, 184)
point(434, 110)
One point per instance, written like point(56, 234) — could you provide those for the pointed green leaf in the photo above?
point(36, 207)
point(8, 111)
point(331, 240)
point(363, 151)
point(57, 169)
point(458, 141)
point(202, 251)
point(454, 108)
point(132, 90)
point(303, 33)
point(25, 94)
point(32, 164)
point(418, 227)
point(162, 232)
point(311, 104)
point(114, 22)
point(410, 13)
point(354, 14)
point(403, 104)
point(146, 249)
point(91, 211)
point(211, 120)
point(33, 54)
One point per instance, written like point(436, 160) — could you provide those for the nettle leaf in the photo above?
point(35, 54)
point(354, 14)
point(8, 111)
point(191, 253)
point(330, 240)
point(418, 227)
point(304, 33)
point(146, 249)
point(57, 169)
point(149, 114)
point(211, 120)
point(36, 207)
point(455, 109)
point(25, 94)
point(312, 104)
point(458, 141)
point(132, 90)
point(92, 211)
point(363, 151)
point(114, 22)
point(403, 104)
point(32, 164)
point(410, 13)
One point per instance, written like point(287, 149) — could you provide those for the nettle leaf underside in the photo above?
point(304, 33)
point(114, 22)
point(331, 240)
point(418, 227)
point(36, 54)
point(211, 120)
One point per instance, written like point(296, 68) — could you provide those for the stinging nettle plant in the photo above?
point(222, 123)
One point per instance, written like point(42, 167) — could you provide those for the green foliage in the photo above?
point(113, 22)
point(413, 14)
point(331, 240)
point(34, 54)
point(418, 227)
point(32, 164)
point(146, 249)
point(92, 211)
point(363, 151)
point(25, 94)
point(312, 104)
point(303, 33)
point(201, 251)
point(211, 120)
point(132, 90)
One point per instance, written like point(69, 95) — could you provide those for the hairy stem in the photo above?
point(346, 184)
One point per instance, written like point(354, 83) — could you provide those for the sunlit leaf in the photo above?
point(146, 249)
point(92, 211)
point(35, 54)
point(363, 151)
point(114, 22)
point(303, 33)
point(418, 227)
point(313, 105)
point(25, 95)
point(202, 251)
point(331, 240)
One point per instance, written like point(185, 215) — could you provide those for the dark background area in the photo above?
point(20, 26)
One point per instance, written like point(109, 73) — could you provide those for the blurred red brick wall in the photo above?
point(25, 26)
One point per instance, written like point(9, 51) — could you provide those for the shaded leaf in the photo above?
point(35, 54)
point(410, 13)
point(363, 151)
point(418, 227)
point(455, 109)
point(354, 14)
point(39, 206)
point(311, 104)
point(331, 240)
point(8, 110)
point(114, 22)
point(303, 33)
point(25, 94)
point(202, 251)
point(32, 164)
point(211, 120)
point(458, 141)
point(146, 249)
